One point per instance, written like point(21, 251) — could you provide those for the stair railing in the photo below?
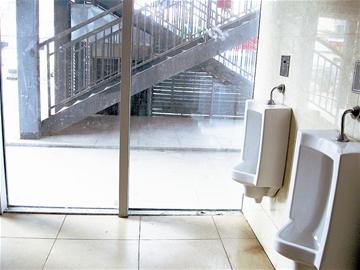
point(77, 64)
point(70, 60)
point(181, 21)
point(241, 59)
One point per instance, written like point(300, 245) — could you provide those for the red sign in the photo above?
point(224, 4)
point(247, 45)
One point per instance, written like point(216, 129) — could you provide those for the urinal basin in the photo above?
point(247, 173)
point(244, 171)
point(323, 228)
point(263, 157)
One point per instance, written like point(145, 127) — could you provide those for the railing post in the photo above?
point(149, 101)
point(208, 15)
point(212, 98)
point(48, 77)
point(191, 18)
point(62, 22)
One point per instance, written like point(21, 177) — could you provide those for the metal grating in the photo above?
point(199, 94)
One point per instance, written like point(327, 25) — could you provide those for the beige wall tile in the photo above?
point(265, 231)
point(322, 39)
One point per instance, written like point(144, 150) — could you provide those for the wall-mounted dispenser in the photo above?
point(356, 78)
point(285, 65)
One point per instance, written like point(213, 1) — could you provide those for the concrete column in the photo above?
point(62, 21)
point(27, 22)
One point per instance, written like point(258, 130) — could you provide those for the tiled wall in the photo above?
point(323, 40)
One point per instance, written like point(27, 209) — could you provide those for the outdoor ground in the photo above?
point(176, 162)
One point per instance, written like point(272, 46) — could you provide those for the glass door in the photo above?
point(3, 191)
point(61, 92)
point(188, 101)
point(191, 65)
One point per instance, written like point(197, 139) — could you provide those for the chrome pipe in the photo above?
point(280, 88)
point(355, 114)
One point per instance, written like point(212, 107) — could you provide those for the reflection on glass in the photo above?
point(187, 119)
point(193, 68)
point(327, 66)
point(61, 142)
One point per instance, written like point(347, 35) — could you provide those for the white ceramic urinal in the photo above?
point(261, 170)
point(324, 220)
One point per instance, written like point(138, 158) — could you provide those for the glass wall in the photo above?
point(61, 69)
point(193, 65)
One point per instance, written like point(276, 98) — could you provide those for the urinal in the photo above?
point(264, 150)
point(323, 230)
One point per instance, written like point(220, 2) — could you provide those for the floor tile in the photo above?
point(182, 254)
point(100, 227)
point(233, 227)
point(18, 253)
point(246, 254)
point(93, 254)
point(178, 227)
point(30, 225)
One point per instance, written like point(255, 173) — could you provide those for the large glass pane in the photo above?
point(60, 95)
point(193, 65)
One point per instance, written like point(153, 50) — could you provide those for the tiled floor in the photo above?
point(108, 242)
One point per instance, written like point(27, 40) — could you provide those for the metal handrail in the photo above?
point(89, 34)
point(200, 38)
point(80, 25)
point(228, 63)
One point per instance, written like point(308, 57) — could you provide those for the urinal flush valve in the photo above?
point(280, 88)
point(355, 114)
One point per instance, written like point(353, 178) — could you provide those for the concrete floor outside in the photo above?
point(176, 162)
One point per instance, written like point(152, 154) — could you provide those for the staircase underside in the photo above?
point(224, 74)
point(176, 61)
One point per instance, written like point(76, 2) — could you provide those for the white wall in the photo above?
point(318, 94)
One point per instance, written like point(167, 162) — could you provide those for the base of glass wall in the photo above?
point(132, 212)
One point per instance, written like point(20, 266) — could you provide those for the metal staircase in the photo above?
point(83, 73)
